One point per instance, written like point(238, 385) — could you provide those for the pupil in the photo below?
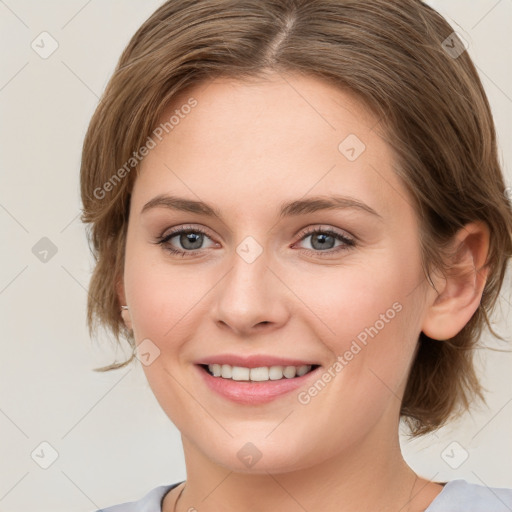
point(193, 238)
point(323, 243)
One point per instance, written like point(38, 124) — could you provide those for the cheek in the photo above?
point(353, 296)
point(367, 314)
point(165, 298)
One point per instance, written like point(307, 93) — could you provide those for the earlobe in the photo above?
point(125, 312)
point(125, 315)
point(462, 286)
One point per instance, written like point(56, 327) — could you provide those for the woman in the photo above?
point(300, 226)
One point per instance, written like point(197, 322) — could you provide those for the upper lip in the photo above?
point(253, 361)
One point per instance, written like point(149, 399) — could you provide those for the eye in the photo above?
point(323, 241)
point(190, 238)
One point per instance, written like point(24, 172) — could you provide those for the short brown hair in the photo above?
point(393, 55)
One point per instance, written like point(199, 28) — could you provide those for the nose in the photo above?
point(252, 297)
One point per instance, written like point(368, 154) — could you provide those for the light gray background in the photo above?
point(113, 441)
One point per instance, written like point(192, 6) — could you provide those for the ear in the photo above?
point(459, 292)
point(125, 314)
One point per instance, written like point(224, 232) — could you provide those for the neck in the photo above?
point(367, 477)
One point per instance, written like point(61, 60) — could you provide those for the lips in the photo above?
point(251, 392)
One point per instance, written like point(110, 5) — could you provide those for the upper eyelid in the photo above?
point(312, 227)
point(185, 227)
point(323, 228)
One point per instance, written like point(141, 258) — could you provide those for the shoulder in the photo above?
point(460, 495)
point(150, 502)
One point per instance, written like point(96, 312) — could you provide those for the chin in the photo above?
point(263, 457)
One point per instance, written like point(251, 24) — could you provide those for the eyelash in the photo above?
point(348, 242)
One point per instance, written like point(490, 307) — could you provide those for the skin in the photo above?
point(245, 149)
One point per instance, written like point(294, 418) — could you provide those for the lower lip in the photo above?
point(252, 393)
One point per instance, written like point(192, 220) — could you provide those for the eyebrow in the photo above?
point(289, 209)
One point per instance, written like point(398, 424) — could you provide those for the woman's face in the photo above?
point(274, 273)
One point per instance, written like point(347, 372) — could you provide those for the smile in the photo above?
point(241, 384)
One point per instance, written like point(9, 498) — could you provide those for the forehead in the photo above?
point(256, 108)
point(271, 140)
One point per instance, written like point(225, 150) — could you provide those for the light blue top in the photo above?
point(456, 496)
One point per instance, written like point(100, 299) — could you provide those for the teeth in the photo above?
point(226, 371)
point(259, 374)
point(302, 370)
point(262, 373)
point(239, 373)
